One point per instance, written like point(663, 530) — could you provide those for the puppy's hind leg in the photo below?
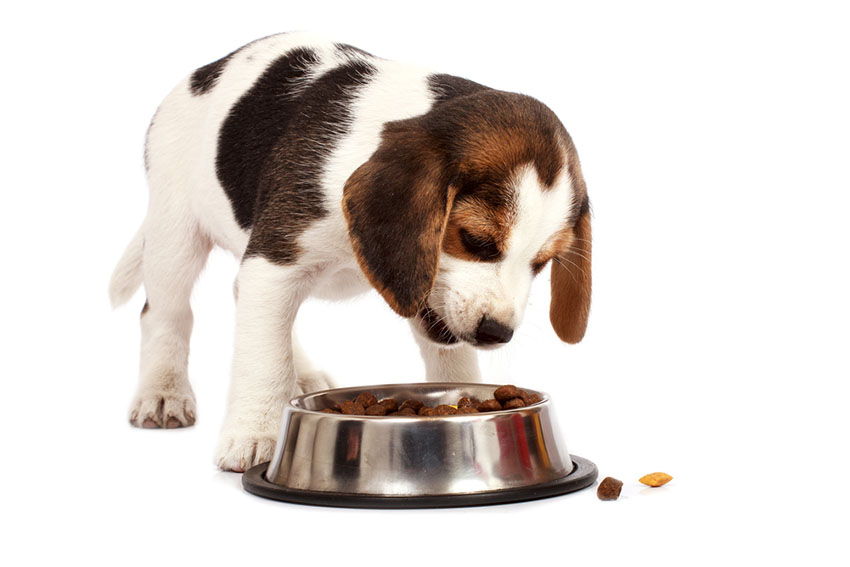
point(174, 253)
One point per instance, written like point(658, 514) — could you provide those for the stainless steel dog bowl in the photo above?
point(413, 462)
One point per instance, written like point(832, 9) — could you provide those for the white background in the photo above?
point(714, 141)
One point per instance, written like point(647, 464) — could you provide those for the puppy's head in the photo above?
point(457, 211)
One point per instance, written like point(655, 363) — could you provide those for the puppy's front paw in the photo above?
point(239, 451)
point(163, 410)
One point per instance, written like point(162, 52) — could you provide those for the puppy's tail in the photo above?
point(127, 276)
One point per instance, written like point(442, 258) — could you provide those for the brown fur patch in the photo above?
point(489, 134)
point(396, 206)
point(483, 219)
point(571, 282)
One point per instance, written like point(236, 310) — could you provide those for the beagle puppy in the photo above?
point(329, 171)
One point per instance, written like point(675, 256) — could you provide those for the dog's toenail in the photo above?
point(149, 424)
point(172, 423)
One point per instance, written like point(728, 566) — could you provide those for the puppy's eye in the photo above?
point(484, 248)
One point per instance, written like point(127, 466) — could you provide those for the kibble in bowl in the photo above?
point(367, 403)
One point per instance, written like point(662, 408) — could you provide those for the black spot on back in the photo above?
point(446, 87)
point(274, 144)
point(290, 193)
point(204, 79)
point(352, 51)
point(255, 124)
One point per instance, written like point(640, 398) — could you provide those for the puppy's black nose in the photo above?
point(491, 332)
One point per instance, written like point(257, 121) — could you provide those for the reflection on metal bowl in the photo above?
point(372, 461)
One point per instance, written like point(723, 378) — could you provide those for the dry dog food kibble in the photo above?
point(532, 399)
point(489, 405)
point(656, 479)
point(352, 408)
point(376, 409)
point(506, 393)
point(366, 399)
point(412, 404)
point(609, 488)
point(444, 409)
point(504, 397)
point(408, 411)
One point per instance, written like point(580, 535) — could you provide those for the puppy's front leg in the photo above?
point(263, 364)
point(447, 364)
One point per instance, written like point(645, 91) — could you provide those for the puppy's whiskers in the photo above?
point(570, 270)
point(578, 253)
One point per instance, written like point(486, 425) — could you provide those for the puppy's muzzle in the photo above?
point(491, 332)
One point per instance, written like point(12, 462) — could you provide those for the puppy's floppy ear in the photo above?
point(396, 205)
point(571, 281)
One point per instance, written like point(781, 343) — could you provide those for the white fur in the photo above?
point(189, 212)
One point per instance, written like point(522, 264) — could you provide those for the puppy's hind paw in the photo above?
point(238, 453)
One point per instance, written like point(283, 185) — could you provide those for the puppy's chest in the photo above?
point(342, 283)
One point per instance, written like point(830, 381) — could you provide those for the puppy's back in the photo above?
point(291, 110)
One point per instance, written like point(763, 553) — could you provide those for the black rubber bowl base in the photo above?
point(584, 474)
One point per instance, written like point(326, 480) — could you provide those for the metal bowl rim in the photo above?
point(406, 419)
